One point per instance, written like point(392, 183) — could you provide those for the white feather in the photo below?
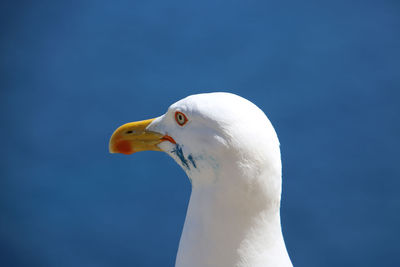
point(230, 152)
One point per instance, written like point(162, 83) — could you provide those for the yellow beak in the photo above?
point(133, 137)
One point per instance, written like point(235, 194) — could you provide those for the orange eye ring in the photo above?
point(180, 118)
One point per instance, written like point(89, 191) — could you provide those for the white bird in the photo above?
point(230, 151)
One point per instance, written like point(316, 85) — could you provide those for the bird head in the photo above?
point(206, 133)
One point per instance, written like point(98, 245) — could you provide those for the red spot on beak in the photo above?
point(124, 147)
point(168, 138)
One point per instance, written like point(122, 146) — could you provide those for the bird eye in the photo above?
point(180, 118)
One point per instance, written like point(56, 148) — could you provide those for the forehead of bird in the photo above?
point(218, 108)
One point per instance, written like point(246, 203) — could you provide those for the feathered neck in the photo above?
point(233, 219)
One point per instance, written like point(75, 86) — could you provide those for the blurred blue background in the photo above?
point(326, 73)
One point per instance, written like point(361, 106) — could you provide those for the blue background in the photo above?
point(327, 73)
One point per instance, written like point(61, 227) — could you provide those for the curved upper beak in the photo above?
point(133, 137)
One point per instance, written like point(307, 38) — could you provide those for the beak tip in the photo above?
point(110, 149)
point(121, 147)
point(115, 148)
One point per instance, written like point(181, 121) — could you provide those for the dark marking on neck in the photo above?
point(190, 158)
point(178, 151)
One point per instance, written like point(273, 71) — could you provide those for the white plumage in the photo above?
point(230, 152)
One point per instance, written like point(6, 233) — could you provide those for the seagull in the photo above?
point(230, 151)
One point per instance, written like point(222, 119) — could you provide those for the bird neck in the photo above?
point(234, 222)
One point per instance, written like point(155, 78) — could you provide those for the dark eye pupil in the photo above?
point(180, 118)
